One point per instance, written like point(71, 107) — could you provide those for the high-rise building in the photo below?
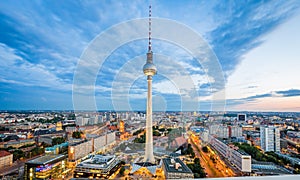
point(235, 131)
point(242, 117)
point(219, 130)
point(149, 70)
point(270, 138)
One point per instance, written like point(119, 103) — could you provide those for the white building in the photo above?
point(238, 158)
point(204, 136)
point(79, 150)
point(235, 131)
point(99, 142)
point(219, 130)
point(98, 166)
point(270, 138)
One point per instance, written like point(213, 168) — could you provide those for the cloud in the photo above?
point(251, 87)
point(289, 93)
point(256, 98)
point(41, 43)
point(16, 70)
point(244, 26)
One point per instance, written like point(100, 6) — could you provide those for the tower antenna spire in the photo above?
point(149, 46)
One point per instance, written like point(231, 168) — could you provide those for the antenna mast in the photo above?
point(149, 46)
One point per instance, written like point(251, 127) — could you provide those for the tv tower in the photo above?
point(149, 70)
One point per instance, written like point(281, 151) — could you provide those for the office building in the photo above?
point(174, 168)
point(235, 156)
point(219, 130)
point(270, 138)
point(6, 159)
point(242, 117)
point(46, 167)
point(235, 131)
point(79, 150)
point(97, 166)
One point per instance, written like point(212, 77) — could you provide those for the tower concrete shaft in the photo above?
point(149, 157)
point(149, 70)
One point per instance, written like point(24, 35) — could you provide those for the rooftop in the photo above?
point(98, 161)
point(242, 152)
point(4, 153)
point(46, 159)
point(269, 169)
point(170, 166)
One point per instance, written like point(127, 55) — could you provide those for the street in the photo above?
point(213, 169)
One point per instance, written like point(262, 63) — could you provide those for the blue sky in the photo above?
point(255, 43)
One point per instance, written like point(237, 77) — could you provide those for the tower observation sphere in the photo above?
point(149, 68)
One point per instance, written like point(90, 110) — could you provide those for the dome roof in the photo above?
point(149, 69)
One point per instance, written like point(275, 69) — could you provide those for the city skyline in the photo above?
point(255, 43)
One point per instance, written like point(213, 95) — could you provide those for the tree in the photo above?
point(122, 170)
point(37, 151)
point(58, 140)
point(205, 149)
point(77, 134)
point(197, 169)
point(18, 154)
point(193, 154)
point(71, 116)
point(156, 133)
point(142, 139)
point(196, 161)
point(162, 129)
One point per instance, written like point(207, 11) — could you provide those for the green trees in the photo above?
point(122, 170)
point(205, 149)
point(142, 139)
point(138, 132)
point(58, 140)
point(156, 133)
point(188, 151)
point(259, 156)
point(253, 151)
point(18, 154)
point(77, 134)
point(37, 151)
point(71, 116)
point(197, 169)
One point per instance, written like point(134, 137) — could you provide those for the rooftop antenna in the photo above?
point(149, 46)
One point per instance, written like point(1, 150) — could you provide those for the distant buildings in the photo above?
point(88, 119)
point(176, 169)
point(235, 131)
point(242, 117)
point(6, 159)
point(270, 138)
point(219, 130)
point(17, 144)
point(224, 131)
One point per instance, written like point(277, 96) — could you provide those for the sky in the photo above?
point(247, 57)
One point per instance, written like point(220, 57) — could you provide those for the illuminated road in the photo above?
point(206, 164)
point(217, 169)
